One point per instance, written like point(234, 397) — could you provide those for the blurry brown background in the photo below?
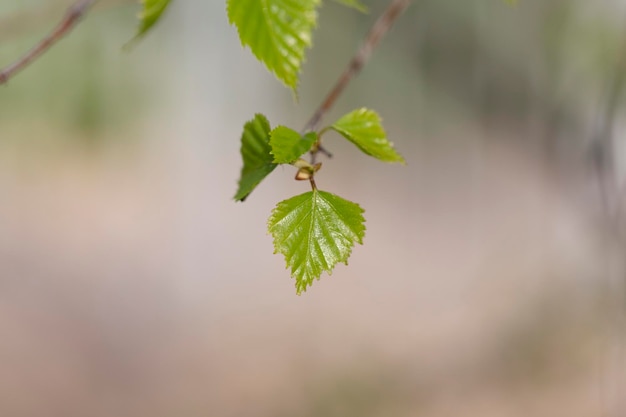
point(490, 282)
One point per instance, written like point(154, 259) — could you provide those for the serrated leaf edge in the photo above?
point(303, 284)
point(309, 44)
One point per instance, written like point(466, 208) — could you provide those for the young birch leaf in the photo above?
point(277, 31)
point(315, 231)
point(363, 127)
point(288, 145)
point(355, 4)
point(151, 13)
point(255, 152)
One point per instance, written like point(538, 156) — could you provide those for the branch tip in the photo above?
point(71, 18)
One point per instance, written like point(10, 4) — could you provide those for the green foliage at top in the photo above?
point(278, 32)
point(288, 145)
point(363, 127)
point(151, 13)
point(355, 4)
point(315, 231)
point(255, 152)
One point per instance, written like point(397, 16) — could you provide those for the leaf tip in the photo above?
point(355, 4)
point(150, 15)
point(282, 50)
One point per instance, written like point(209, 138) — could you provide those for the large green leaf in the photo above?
point(355, 4)
point(255, 152)
point(315, 231)
point(288, 145)
point(363, 127)
point(277, 31)
point(151, 13)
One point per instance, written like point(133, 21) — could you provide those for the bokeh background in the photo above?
point(491, 279)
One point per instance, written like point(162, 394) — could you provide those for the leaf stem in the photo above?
point(71, 18)
point(323, 150)
point(378, 30)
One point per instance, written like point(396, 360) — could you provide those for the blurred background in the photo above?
point(491, 281)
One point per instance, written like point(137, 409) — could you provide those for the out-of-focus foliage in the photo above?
point(356, 4)
point(150, 15)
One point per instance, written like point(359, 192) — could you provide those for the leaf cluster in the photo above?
point(316, 230)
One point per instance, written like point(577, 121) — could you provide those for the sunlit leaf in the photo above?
point(355, 4)
point(277, 31)
point(288, 145)
point(363, 127)
point(315, 231)
point(150, 14)
point(255, 152)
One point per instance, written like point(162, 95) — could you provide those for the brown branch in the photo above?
point(380, 28)
point(70, 20)
point(25, 21)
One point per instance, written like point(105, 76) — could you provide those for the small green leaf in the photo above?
point(288, 145)
point(255, 152)
point(315, 231)
point(363, 127)
point(150, 15)
point(277, 31)
point(355, 4)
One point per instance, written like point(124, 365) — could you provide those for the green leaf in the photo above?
point(255, 152)
point(277, 31)
point(363, 127)
point(315, 231)
point(355, 4)
point(288, 145)
point(151, 13)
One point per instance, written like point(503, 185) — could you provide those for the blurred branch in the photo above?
point(611, 189)
point(603, 148)
point(24, 22)
point(69, 21)
point(380, 28)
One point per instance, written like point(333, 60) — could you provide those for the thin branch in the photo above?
point(602, 151)
point(70, 20)
point(380, 28)
point(603, 147)
point(25, 21)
